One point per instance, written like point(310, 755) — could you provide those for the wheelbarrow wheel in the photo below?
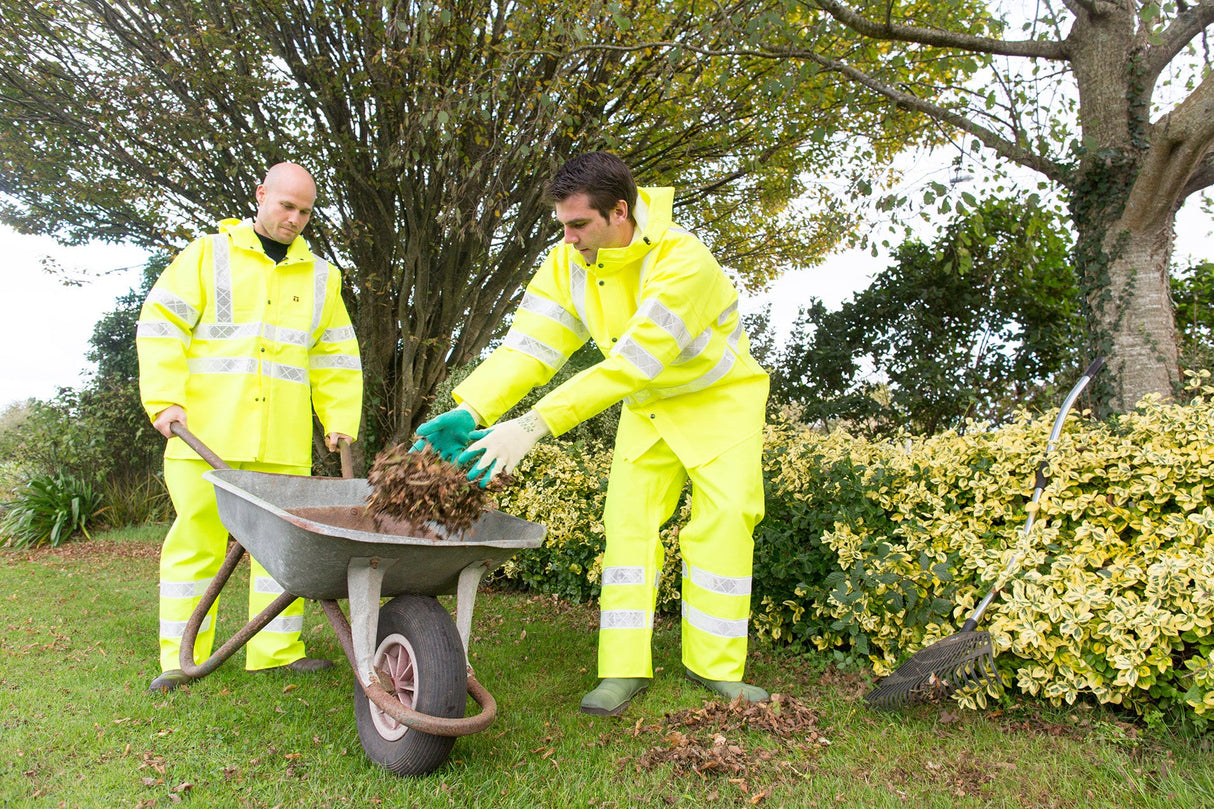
point(419, 649)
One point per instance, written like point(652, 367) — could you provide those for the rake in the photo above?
point(966, 660)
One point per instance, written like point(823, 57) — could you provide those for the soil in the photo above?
point(358, 518)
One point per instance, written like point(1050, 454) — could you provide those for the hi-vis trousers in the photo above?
point(192, 554)
point(717, 549)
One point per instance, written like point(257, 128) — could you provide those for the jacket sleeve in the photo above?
point(335, 366)
point(683, 295)
point(166, 324)
point(545, 333)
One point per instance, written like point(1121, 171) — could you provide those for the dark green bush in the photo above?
point(48, 510)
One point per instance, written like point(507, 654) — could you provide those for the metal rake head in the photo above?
point(956, 663)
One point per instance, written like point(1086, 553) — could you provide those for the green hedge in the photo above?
point(876, 549)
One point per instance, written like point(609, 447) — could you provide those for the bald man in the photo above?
point(242, 338)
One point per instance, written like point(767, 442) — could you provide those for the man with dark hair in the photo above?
point(246, 333)
point(665, 317)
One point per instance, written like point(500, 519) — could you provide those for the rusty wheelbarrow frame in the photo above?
point(324, 562)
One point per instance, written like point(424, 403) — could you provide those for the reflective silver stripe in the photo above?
point(227, 331)
point(184, 589)
point(714, 374)
point(535, 348)
point(336, 361)
point(222, 260)
point(338, 335)
point(577, 290)
point(720, 627)
point(644, 268)
point(695, 348)
point(623, 619)
point(174, 305)
point(729, 310)
point(222, 365)
point(623, 576)
point(281, 334)
point(176, 629)
point(666, 320)
point(552, 310)
point(649, 365)
point(285, 623)
point(267, 585)
point(321, 268)
point(287, 373)
point(713, 583)
point(161, 328)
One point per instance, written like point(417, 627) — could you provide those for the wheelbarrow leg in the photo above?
point(465, 600)
point(259, 622)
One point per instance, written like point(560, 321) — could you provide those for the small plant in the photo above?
point(48, 510)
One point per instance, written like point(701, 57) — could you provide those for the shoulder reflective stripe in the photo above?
point(632, 351)
point(729, 310)
point(713, 583)
point(553, 311)
point(666, 320)
point(184, 589)
point(287, 373)
point(346, 361)
point(720, 627)
point(285, 623)
point(176, 629)
point(161, 329)
point(227, 331)
point(174, 305)
point(644, 269)
point(623, 576)
point(577, 290)
point(221, 259)
point(535, 348)
point(695, 348)
point(222, 365)
point(623, 619)
point(267, 584)
point(337, 335)
point(281, 334)
point(321, 269)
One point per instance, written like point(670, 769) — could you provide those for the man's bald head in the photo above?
point(284, 202)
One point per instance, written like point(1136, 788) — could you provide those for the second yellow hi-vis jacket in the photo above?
point(665, 316)
point(249, 347)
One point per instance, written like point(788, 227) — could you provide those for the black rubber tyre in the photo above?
point(419, 647)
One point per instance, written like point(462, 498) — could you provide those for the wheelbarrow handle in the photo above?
point(178, 429)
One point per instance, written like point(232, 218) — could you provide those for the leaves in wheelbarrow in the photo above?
point(420, 487)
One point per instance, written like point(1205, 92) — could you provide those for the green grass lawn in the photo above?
point(78, 648)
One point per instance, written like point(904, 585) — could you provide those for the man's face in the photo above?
point(587, 229)
point(284, 208)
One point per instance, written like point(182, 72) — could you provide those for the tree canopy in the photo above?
point(1110, 102)
point(430, 128)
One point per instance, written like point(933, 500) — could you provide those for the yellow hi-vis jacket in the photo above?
point(249, 347)
point(665, 317)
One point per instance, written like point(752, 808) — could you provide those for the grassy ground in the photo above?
point(77, 650)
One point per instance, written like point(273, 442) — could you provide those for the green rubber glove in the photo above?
point(448, 434)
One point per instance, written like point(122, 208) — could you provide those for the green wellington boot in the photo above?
point(613, 695)
point(730, 690)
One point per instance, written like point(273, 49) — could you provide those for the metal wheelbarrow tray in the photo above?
point(410, 658)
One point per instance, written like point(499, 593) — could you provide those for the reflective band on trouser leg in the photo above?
point(191, 555)
point(717, 547)
point(641, 495)
point(279, 643)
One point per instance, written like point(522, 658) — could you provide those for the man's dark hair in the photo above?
point(601, 176)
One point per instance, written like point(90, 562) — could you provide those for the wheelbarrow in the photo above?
point(410, 658)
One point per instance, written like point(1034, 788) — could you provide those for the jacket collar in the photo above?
point(245, 237)
point(653, 211)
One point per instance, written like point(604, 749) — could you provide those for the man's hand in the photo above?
point(501, 448)
point(166, 417)
point(449, 433)
point(333, 440)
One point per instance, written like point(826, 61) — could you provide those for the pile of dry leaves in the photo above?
point(420, 487)
point(710, 741)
